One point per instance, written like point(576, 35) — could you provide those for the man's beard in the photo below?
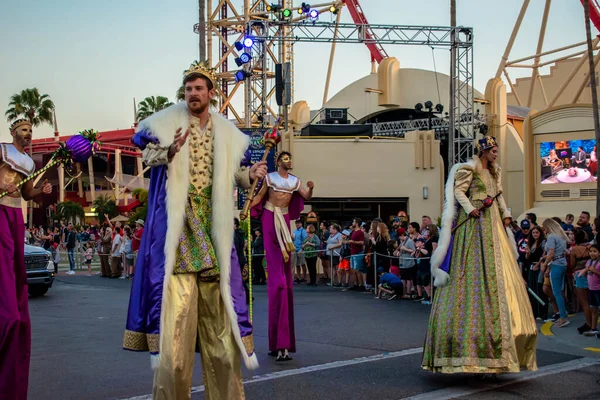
point(197, 109)
point(285, 167)
point(23, 141)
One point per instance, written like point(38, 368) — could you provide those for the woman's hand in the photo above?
point(475, 213)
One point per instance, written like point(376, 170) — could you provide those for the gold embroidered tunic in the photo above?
point(196, 252)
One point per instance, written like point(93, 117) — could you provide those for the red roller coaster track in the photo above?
point(594, 13)
point(358, 16)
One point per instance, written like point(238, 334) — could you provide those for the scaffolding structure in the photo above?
point(462, 115)
point(274, 41)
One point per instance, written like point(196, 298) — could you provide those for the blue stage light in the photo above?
point(241, 75)
point(248, 41)
point(245, 58)
point(239, 46)
point(314, 14)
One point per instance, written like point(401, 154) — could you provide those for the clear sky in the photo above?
point(94, 57)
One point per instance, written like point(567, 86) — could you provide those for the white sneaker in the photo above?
point(591, 332)
point(122, 277)
point(71, 272)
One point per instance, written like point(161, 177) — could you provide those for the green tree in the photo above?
point(180, 95)
point(29, 104)
point(105, 205)
point(150, 105)
point(141, 212)
point(70, 211)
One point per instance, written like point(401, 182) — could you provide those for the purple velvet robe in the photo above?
point(147, 289)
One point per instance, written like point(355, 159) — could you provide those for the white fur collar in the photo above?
point(229, 146)
point(441, 277)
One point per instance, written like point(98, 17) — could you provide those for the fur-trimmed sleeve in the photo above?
point(462, 182)
point(501, 203)
point(153, 153)
point(242, 178)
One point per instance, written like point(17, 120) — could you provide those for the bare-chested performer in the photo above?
point(281, 200)
point(15, 327)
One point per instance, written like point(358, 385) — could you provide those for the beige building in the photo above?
point(367, 177)
point(558, 89)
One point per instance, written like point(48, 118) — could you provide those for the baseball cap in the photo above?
point(346, 232)
point(395, 219)
point(401, 231)
point(525, 224)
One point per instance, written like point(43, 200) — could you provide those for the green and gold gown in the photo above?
point(481, 321)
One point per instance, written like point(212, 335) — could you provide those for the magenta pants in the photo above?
point(15, 327)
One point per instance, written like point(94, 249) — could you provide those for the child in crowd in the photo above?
point(89, 253)
point(344, 267)
point(389, 284)
point(592, 270)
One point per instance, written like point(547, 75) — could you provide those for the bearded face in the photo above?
point(22, 135)
point(285, 163)
point(198, 95)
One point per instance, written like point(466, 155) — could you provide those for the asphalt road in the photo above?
point(350, 346)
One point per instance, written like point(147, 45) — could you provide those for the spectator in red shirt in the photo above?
point(357, 256)
point(137, 235)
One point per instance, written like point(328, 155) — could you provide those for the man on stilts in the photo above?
point(280, 200)
point(15, 326)
point(188, 288)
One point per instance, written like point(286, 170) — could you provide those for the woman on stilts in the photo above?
point(481, 320)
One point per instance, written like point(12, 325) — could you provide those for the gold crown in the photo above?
point(18, 123)
point(201, 69)
point(487, 142)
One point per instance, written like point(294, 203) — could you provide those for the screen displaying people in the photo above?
point(571, 161)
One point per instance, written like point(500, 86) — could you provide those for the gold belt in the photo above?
point(269, 206)
point(8, 201)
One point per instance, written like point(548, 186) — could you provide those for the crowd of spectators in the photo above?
point(559, 260)
point(114, 245)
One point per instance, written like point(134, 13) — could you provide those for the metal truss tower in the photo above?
point(462, 112)
point(274, 40)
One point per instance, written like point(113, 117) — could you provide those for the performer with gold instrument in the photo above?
point(481, 319)
point(188, 286)
point(15, 327)
point(279, 201)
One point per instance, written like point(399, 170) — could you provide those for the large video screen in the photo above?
point(571, 161)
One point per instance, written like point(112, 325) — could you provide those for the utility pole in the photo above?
point(202, 29)
point(592, 71)
point(453, 51)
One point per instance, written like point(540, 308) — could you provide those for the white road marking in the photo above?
point(309, 369)
point(442, 394)
point(460, 391)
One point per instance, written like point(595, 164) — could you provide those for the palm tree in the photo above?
point(29, 104)
point(105, 205)
point(150, 105)
point(70, 211)
point(180, 95)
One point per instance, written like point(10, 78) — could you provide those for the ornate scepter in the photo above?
point(271, 138)
point(77, 149)
point(487, 203)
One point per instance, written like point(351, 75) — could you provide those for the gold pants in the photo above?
point(196, 312)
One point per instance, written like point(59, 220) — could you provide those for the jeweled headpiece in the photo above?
point(209, 73)
point(18, 123)
point(487, 142)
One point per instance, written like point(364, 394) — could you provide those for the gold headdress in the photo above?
point(18, 123)
point(487, 142)
point(203, 70)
